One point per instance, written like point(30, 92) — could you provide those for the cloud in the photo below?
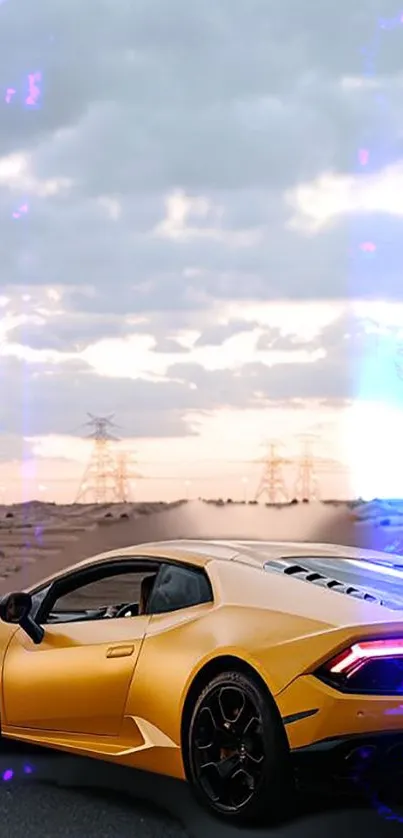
point(14, 447)
point(330, 196)
point(217, 334)
point(44, 398)
point(67, 333)
point(169, 346)
point(54, 400)
point(349, 345)
point(277, 339)
point(165, 156)
point(184, 165)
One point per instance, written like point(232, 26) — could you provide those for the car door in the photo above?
point(77, 679)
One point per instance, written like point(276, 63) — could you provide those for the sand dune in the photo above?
point(37, 539)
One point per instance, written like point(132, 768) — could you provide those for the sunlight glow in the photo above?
point(374, 450)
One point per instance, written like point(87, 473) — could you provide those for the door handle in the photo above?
point(120, 651)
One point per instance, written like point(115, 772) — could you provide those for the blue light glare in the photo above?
point(374, 432)
point(374, 436)
point(377, 567)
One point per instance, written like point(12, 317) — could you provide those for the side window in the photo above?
point(110, 590)
point(98, 593)
point(179, 587)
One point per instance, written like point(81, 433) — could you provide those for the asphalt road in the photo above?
point(67, 797)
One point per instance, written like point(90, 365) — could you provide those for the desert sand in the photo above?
point(37, 539)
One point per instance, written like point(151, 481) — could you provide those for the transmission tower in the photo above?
point(306, 484)
point(272, 483)
point(124, 474)
point(99, 482)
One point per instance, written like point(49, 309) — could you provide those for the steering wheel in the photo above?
point(130, 606)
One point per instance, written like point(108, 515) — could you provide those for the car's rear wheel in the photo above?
point(236, 754)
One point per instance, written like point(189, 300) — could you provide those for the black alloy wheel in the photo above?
point(237, 757)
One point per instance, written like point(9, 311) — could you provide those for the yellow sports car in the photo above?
point(229, 664)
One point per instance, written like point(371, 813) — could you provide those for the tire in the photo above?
point(236, 752)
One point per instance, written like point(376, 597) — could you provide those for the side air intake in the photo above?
point(307, 575)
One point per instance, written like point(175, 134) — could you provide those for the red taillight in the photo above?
point(348, 662)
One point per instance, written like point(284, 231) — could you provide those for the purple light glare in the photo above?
point(394, 711)
point(368, 247)
point(22, 210)
point(28, 769)
point(34, 91)
point(390, 23)
point(10, 92)
point(363, 156)
point(8, 775)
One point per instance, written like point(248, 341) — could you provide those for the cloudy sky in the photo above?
point(201, 211)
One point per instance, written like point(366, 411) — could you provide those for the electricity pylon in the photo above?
point(311, 467)
point(306, 484)
point(99, 479)
point(124, 474)
point(272, 483)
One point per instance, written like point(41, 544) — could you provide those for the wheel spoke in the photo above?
point(253, 741)
point(245, 721)
point(253, 766)
point(227, 767)
point(209, 733)
point(225, 781)
point(232, 704)
point(205, 731)
point(243, 788)
point(228, 747)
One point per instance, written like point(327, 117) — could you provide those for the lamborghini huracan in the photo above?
point(232, 665)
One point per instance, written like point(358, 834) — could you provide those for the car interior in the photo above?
point(110, 610)
point(167, 588)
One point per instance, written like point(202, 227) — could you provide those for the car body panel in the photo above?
point(129, 708)
point(337, 715)
point(77, 679)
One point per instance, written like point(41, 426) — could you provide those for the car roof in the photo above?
point(258, 552)
point(200, 552)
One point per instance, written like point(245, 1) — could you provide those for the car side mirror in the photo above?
point(16, 609)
